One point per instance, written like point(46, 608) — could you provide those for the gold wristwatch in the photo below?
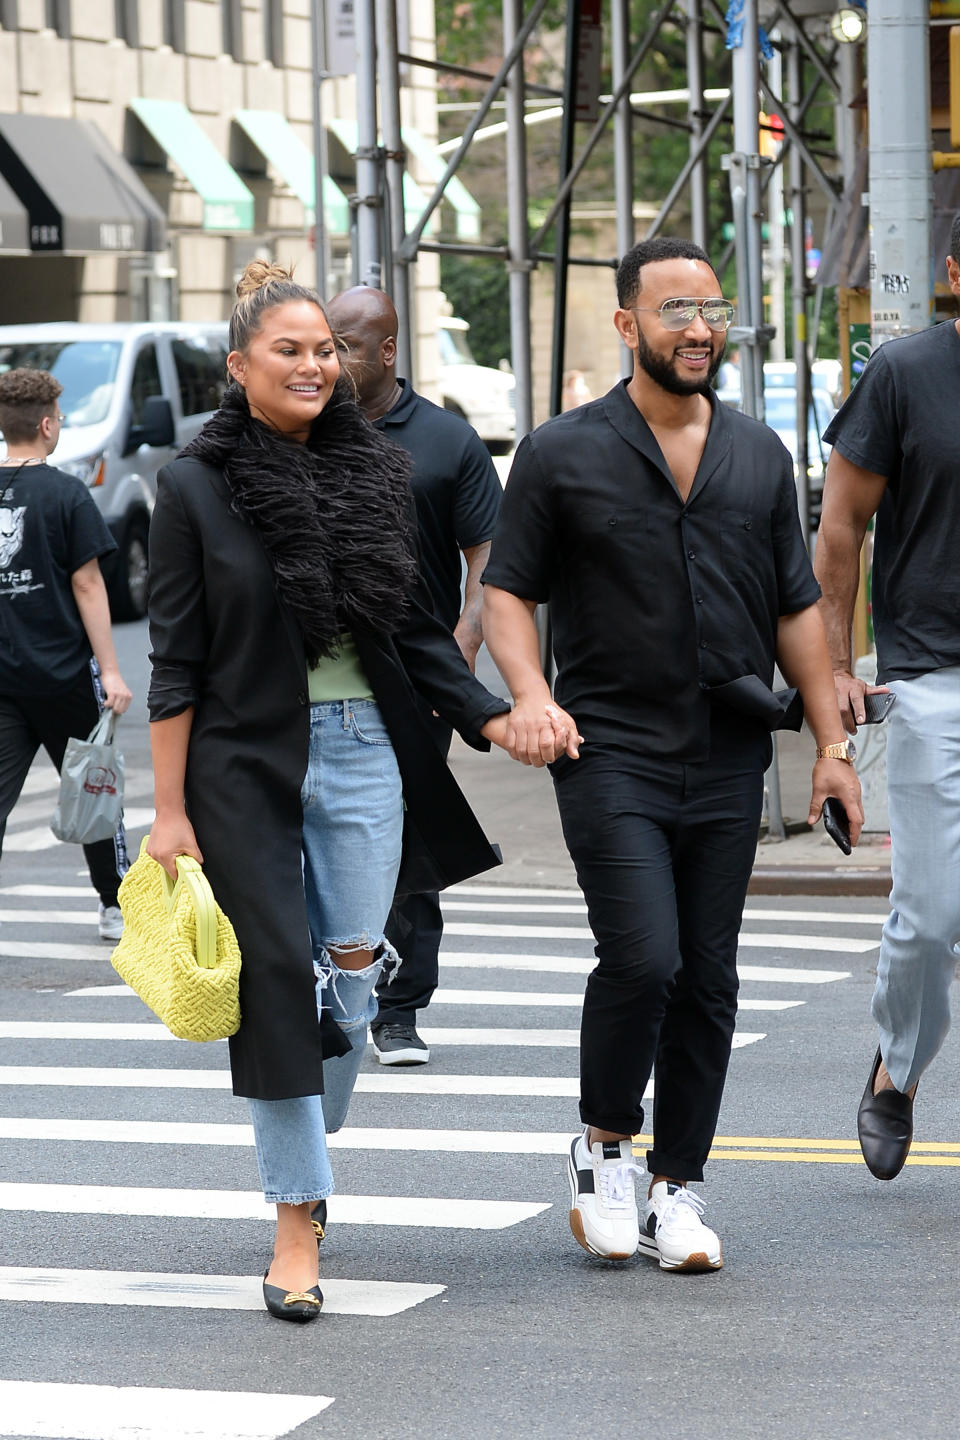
point(843, 750)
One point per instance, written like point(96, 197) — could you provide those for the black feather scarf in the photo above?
point(333, 513)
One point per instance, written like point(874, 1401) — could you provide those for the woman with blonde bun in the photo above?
point(290, 630)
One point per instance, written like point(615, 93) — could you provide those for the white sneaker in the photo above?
point(674, 1233)
point(603, 1198)
point(111, 922)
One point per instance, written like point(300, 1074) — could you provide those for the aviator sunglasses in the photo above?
point(679, 313)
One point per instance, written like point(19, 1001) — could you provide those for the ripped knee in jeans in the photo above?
point(348, 994)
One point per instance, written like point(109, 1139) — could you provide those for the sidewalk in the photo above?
point(516, 807)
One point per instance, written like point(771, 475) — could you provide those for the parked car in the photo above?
point(133, 395)
point(479, 394)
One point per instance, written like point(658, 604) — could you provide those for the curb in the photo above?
point(819, 880)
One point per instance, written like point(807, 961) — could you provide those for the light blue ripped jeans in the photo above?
point(352, 834)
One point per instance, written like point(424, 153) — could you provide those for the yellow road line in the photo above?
point(826, 1152)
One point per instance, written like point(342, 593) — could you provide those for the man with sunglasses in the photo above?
point(662, 529)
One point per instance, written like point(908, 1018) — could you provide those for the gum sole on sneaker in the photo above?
point(696, 1263)
point(576, 1227)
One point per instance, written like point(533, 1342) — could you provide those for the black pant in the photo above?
point(26, 723)
point(663, 854)
point(414, 928)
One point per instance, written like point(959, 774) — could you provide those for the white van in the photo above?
point(133, 395)
point(484, 397)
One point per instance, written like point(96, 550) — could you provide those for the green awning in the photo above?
point(227, 203)
point(414, 200)
point(281, 147)
point(466, 208)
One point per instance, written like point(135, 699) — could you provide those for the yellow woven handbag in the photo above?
point(179, 951)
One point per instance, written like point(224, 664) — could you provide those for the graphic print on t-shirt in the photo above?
point(11, 532)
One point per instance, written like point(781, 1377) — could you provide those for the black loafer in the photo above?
point(318, 1217)
point(884, 1127)
point(300, 1306)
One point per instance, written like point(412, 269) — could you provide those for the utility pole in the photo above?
point(901, 176)
point(518, 231)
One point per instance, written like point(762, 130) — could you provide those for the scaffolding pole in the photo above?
point(699, 207)
point(622, 147)
point(368, 197)
point(519, 263)
point(398, 283)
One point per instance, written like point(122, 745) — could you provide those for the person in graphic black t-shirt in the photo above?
point(896, 454)
point(54, 612)
point(457, 495)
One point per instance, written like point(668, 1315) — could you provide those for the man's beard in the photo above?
point(662, 373)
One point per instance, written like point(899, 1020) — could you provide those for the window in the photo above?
point(231, 19)
point(174, 25)
point(145, 382)
point(201, 364)
point(273, 32)
point(126, 21)
point(56, 16)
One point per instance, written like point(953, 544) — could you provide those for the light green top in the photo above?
point(340, 676)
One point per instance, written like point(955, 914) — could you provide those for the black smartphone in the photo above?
point(836, 824)
point(876, 708)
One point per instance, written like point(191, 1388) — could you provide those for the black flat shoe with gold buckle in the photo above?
point(318, 1217)
point(297, 1305)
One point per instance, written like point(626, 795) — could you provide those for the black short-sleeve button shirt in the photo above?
point(654, 602)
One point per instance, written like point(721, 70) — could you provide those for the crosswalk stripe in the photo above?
point(843, 945)
point(575, 907)
point(572, 893)
point(541, 999)
point(352, 1137)
point(200, 1292)
point(384, 1082)
point(47, 892)
point(41, 837)
point(48, 950)
point(419, 1210)
point(104, 1030)
point(568, 965)
point(31, 1409)
point(48, 917)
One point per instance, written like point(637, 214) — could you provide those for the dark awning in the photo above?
point(80, 195)
point(14, 226)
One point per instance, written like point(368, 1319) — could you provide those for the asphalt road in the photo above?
point(458, 1305)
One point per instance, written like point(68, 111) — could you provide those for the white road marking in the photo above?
point(418, 1210)
point(200, 1292)
point(541, 999)
point(43, 892)
point(41, 837)
point(575, 907)
point(103, 1030)
point(48, 950)
point(387, 1081)
point(568, 965)
point(351, 1137)
point(837, 944)
point(49, 917)
point(31, 1409)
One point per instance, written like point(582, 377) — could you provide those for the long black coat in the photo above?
point(223, 642)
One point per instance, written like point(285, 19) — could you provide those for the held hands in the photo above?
point(535, 733)
point(170, 836)
point(850, 693)
point(837, 777)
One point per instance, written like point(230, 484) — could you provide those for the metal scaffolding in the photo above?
point(809, 63)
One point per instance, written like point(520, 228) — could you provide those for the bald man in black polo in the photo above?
point(457, 495)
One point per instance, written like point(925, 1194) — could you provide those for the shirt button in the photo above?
point(747, 525)
point(301, 698)
point(692, 554)
point(699, 599)
point(703, 645)
point(612, 521)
